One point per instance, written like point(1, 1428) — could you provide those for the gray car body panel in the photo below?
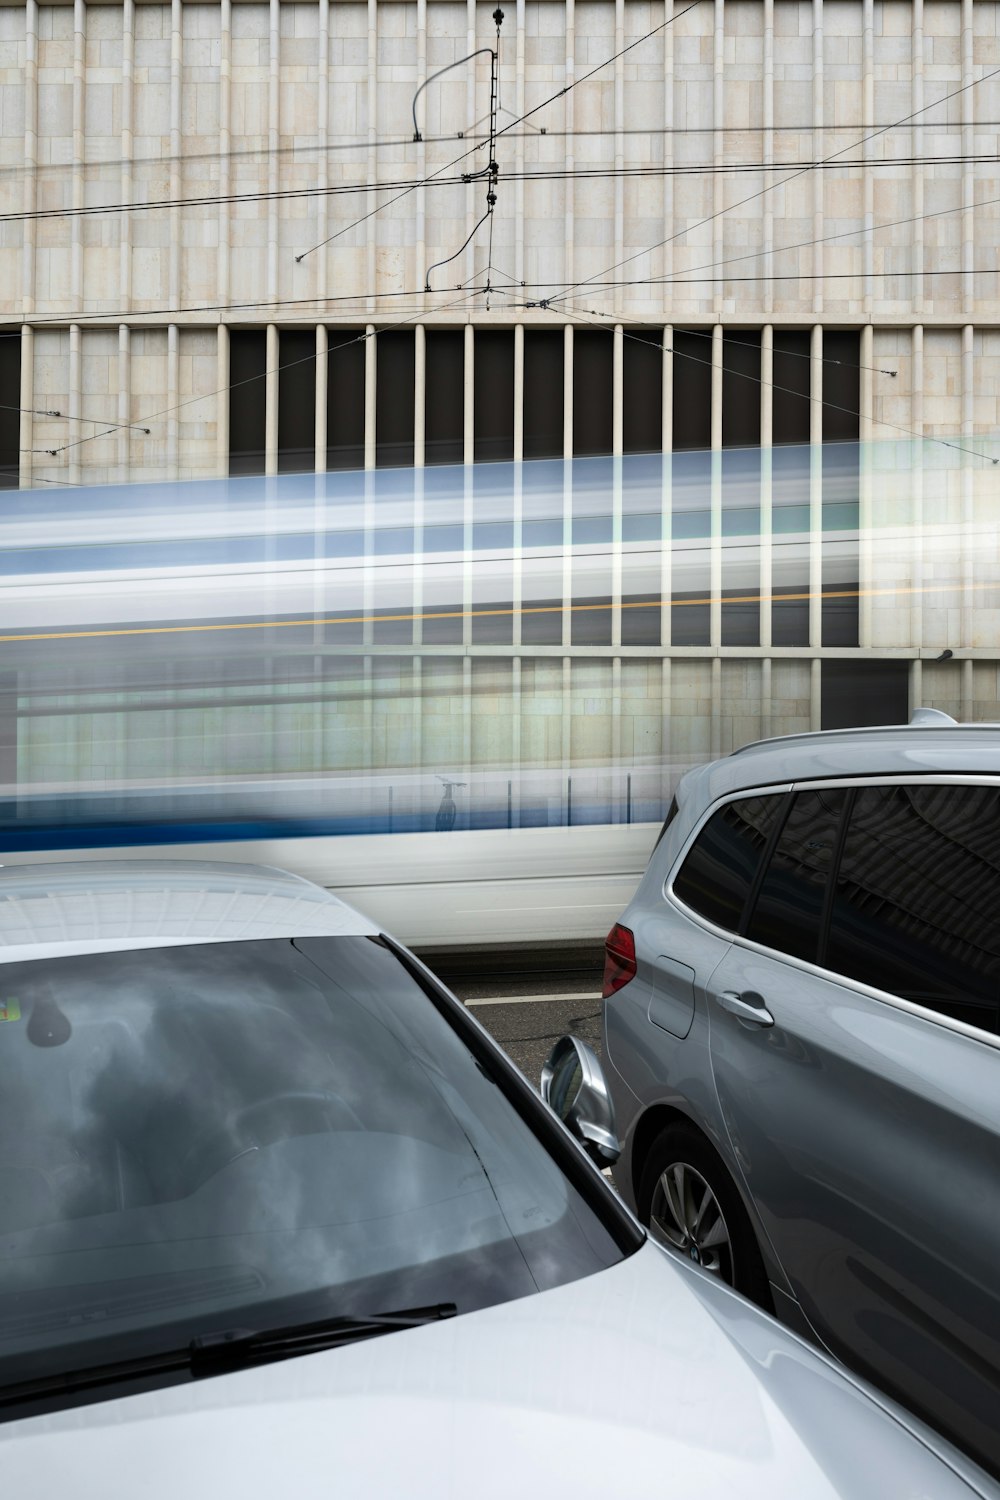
point(861, 1130)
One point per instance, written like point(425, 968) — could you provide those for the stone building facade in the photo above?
point(770, 225)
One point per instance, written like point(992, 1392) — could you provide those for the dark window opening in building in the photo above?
point(492, 623)
point(841, 386)
point(345, 399)
point(442, 624)
point(840, 612)
point(860, 694)
point(740, 617)
point(394, 377)
point(543, 393)
point(790, 406)
point(541, 622)
point(591, 621)
point(841, 485)
point(641, 620)
point(493, 396)
point(593, 390)
point(741, 389)
point(642, 391)
point(690, 618)
point(296, 400)
point(444, 403)
point(247, 412)
point(10, 415)
point(393, 627)
point(692, 382)
point(790, 614)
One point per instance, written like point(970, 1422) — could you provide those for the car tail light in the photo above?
point(619, 959)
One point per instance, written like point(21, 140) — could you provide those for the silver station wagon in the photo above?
point(801, 1040)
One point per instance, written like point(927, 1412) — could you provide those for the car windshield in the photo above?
point(250, 1135)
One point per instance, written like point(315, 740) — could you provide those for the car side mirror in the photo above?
point(575, 1089)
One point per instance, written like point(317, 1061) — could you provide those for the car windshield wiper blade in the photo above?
point(228, 1349)
point(241, 1346)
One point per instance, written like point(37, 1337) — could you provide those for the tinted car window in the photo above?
point(254, 1134)
point(916, 908)
point(719, 871)
point(788, 910)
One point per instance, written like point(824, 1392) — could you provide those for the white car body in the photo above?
point(648, 1376)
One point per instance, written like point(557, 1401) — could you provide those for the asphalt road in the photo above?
point(527, 999)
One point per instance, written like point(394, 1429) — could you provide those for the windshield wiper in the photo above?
point(246, 1346)
point(228, 1349)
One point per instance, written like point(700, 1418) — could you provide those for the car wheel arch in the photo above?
point(650, 1126)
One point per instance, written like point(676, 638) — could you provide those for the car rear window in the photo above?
point(721, 867)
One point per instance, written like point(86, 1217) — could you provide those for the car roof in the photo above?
point(915, 749)
point(97, 906)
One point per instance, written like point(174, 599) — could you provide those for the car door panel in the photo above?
point(866, 1136)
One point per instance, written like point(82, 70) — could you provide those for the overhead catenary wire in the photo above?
point(426, 182)
point(911, 432)
point(388, 143)
point(689, 276)
point(569, 288)
point(249, 380)
point(545, 174)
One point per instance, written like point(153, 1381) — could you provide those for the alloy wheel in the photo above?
point(685, 1216)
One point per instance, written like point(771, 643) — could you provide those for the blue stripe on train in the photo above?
point(26, 835)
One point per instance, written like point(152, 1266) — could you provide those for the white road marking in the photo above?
point(531, 999)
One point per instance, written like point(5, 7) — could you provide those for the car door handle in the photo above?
point(750, 1012)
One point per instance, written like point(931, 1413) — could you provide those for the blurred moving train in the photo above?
point(205, 667)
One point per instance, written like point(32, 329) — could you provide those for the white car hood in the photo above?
point(642, 1379)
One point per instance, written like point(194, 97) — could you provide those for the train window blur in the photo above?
point(642, 528)
point(10, 401)
point(247, 366)
point(642, 390)
point(345, 398)
point(543, 392)
point(444, 419)
point(296, 400)
point(593, 402)
point(493, 395)
point(547, 533)
point(592, 529)
point(394, 387)
point(492, 535)
point(444, 538)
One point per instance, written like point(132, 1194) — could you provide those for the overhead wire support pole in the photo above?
point(491, 172)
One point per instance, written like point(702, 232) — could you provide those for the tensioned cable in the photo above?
point(684, 277)
point(249, 380)
point(762, 192)
point(519, 121)
point(547, 174)
point(387, 143)
point(785, 390)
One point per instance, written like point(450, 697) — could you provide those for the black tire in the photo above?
point(740, 1265)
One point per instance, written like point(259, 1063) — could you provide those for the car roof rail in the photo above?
point(923, 718)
